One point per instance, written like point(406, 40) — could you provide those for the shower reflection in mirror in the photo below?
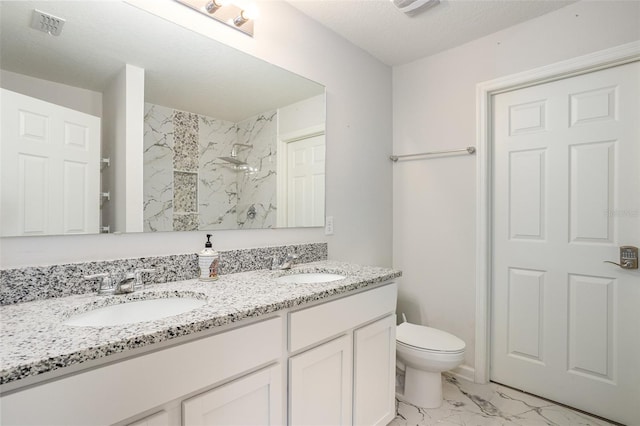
point(205, 173)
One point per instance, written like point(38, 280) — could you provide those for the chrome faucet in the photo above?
point(120, 283)
point(287, 262)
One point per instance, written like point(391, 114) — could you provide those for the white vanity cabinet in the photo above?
point(122, 390)
point(342, 362)
point(255, 399)
point(329, 363)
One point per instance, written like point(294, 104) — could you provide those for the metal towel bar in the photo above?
point(468, 150)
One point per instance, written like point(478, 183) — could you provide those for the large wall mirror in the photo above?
point(125, 122)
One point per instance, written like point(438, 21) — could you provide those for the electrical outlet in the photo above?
point(328, 225)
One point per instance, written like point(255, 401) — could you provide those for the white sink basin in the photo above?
point(307, 278)
point(135, 311)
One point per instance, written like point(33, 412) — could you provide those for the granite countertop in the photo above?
point(34, 339)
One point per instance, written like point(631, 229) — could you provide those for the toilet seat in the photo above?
point(427, 339)
point(428, 351)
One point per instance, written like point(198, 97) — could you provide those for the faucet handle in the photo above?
point(274, 262)
point(290, 258)
point(106, 284)
point(138, 275)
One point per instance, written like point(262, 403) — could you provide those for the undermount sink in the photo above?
point(135, 311)
point(308, 278)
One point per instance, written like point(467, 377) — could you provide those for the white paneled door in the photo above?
point(565, 325)
point(50, 168)
point(305, 181)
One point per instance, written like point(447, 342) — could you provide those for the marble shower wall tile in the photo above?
point(44, 282)
point(217, 184)
point(257, 188)
point(157, 170)
point(187, 187)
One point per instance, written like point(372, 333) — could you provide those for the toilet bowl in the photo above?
point(424, 353)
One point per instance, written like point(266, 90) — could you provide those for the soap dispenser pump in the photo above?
point(208, 261)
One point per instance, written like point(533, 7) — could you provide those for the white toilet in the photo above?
point(424, 353)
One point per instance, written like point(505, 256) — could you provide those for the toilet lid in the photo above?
point(428, 338)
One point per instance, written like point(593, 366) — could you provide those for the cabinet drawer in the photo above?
point(312, 325)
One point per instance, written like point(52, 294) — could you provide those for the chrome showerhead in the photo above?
point(233, 160)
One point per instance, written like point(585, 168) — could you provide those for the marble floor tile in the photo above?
point(470, 404)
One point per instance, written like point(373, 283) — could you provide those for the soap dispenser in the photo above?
point(208, 261)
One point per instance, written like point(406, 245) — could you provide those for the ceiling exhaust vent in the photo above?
point(413, 7)
point(46, 22)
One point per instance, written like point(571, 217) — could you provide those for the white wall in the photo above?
point(82, 100)
point(434, 107)
point(358, 145)
point(302, 115)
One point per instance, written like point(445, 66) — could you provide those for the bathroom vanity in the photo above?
point(260, 351)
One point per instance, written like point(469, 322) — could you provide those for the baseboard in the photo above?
point(464, 372)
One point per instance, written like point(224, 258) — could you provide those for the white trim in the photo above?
point(463, 372)
point(281, 166)
point(485, 91)
point(305, 133)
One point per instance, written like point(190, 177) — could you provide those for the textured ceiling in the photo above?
point(394, 38)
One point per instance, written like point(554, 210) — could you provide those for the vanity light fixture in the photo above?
point(226, 12)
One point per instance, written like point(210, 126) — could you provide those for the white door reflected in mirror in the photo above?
point(50, 168)
point(305, 182)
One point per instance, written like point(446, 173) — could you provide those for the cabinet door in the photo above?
point(320, 385)
point(157, 419)
point(255, 399)
point(374, 375)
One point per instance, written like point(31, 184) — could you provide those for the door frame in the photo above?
point(485, 91)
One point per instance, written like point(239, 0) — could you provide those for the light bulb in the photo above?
point(213, 5)
point(249, 12)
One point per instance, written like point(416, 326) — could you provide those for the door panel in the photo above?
point(320, 384)
point(251, 400)
point(374, 373)
point(565, 325)
point(526, 313)
point(591, 332)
